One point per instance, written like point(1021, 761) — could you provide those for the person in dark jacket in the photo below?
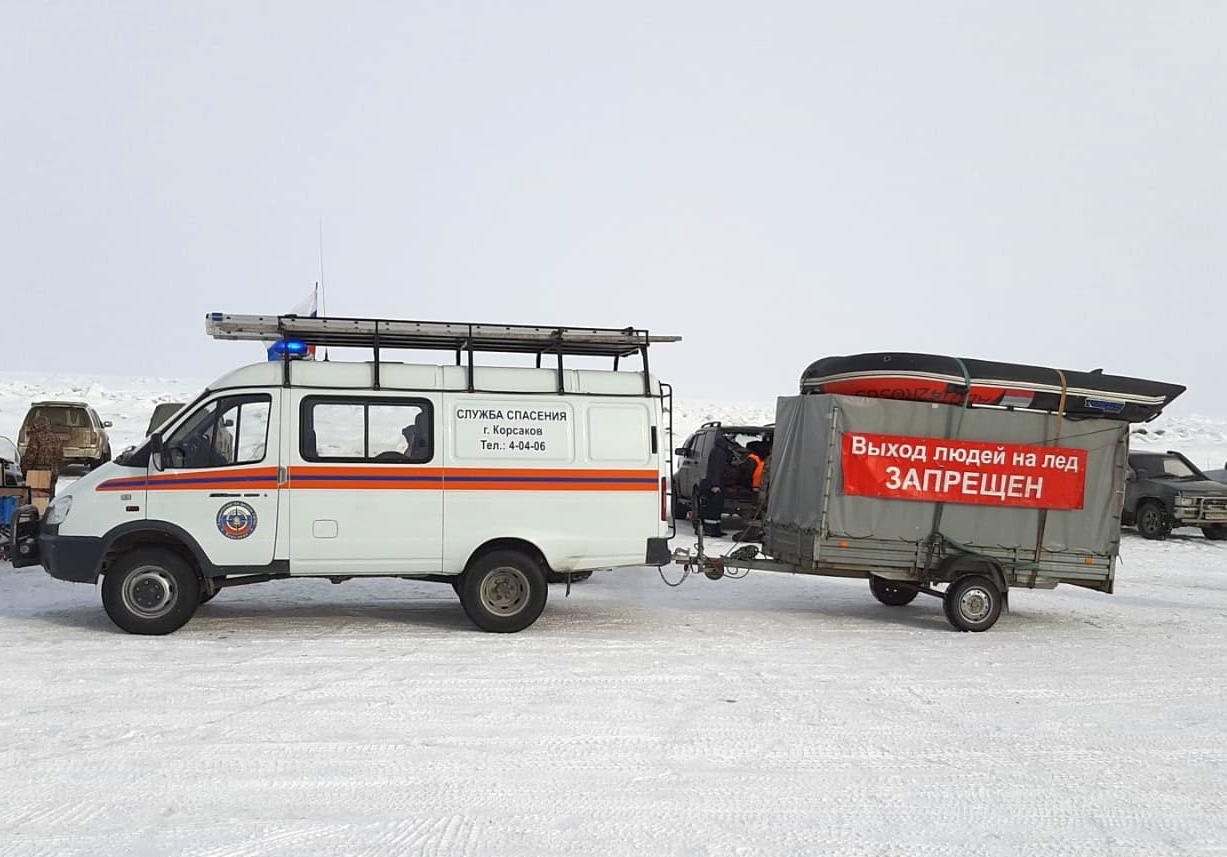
point(711, 498)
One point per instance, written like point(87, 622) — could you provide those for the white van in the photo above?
point(489, 478)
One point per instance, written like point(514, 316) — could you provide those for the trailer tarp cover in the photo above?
point(807, 451)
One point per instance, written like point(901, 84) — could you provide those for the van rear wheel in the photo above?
point(150, 591)
point(503, 591)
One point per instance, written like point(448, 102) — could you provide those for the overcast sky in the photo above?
point(776, 182)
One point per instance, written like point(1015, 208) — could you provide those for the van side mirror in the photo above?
point(681, 452)
point(156, 450)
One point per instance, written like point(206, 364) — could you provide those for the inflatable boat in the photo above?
point(958, 381)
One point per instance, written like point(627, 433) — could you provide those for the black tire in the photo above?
point(1152, 521)
point(503, 591)
point(973, 603)
point(1216, 532)
point(681, 507)
point(891, 593)
point(150, 591)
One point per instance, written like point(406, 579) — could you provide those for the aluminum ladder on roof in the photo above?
point(459, 337)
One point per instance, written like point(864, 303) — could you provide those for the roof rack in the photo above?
point(463, 338)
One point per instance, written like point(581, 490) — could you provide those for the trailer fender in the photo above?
point(961, 565)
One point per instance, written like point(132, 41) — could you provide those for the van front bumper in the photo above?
point(73, 558)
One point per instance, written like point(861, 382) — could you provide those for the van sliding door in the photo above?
point(365, 485)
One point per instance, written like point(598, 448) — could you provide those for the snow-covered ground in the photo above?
point(771, 715)
point(774, 715)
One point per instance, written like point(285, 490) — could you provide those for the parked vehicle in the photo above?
point(12, 492)
point(82, 431)
point(742, 496)
point(162, 412)
point(487, 478)
point(1165, 490)
point(10, 464)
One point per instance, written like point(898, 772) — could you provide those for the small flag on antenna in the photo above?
point(306, 308)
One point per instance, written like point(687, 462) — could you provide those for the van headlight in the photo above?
point(58, 510)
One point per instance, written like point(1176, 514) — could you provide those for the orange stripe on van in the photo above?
point(386, 478)
point(229, 479)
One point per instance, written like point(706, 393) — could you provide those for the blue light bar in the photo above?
point(291, 348)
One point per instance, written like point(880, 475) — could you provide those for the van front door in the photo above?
point(218, 479)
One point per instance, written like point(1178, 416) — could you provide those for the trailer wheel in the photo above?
point(1152, 521)
point(972, 603)
point(1217, 532)
point(150, 591)
point(503, 591)
point(891, 593)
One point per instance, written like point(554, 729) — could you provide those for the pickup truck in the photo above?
point(1165, 490)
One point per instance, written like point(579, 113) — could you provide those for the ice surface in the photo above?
point(775, 715)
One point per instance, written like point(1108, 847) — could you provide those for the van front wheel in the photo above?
point(503, 591)
point(150, 591)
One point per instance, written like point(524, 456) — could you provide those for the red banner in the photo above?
point(963, 471)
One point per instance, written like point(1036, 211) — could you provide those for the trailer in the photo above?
point(913, 496)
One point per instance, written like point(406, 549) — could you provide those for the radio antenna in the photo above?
point(323, 306)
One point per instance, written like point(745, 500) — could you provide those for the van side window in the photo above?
point(369, 430)
point(223, 433)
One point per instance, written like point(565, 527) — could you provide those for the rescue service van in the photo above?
point(486, 477)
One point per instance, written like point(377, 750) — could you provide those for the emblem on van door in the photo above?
point(236, 520)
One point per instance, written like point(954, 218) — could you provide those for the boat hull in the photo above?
point(958, 381)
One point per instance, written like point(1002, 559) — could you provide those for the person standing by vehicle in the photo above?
point(711, 498)
point(44, 451)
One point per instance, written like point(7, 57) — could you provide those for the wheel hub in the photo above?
point(150, 592)
point(975, 604)
point(504, 591)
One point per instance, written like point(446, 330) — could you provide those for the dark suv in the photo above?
point(1166, 490)
point(741, 497)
